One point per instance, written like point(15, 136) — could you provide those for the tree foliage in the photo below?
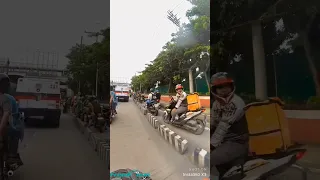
point(287, 26)
point(85, 60)
point(185, 50)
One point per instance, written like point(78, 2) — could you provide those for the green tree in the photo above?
point(184, 51)
point(85, 60)
point(231, 30)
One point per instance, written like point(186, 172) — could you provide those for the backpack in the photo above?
point(193, 100)
point(267, 123)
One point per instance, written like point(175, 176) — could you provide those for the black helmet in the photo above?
point(4, 83)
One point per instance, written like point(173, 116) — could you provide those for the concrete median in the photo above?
point(199, 156)
point(179, 144)
point(98, 141)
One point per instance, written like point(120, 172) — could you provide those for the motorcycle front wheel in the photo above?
point(200, 127)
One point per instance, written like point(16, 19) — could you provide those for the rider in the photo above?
point(75, 100)
point(15, 132)
point(230, 136)
point(95, 105)
point(94, 108)
point(158, 95)
point(113, 100)
point(151, 97)
point(7, 121)
point(182, 104)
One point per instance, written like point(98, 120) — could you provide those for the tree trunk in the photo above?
point(207, 81)
point(310, 58)
point(169, 86)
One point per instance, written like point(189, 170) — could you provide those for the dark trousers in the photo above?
point(226, 153)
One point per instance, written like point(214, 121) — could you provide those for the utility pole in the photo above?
point(191, 81)
point(260, 74)
point(8, 64)
point(48, 60)
point(97, 76)
point(38, 57)
point(93, 34)
point(176, 21)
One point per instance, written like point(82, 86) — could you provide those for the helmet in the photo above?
point(151, 89)
point(4, 83)
point(219, 79)
point(178, 86)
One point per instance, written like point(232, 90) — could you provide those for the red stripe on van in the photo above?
point(49, 97)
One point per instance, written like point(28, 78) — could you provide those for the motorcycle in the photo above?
point(100, 122)
point(262, 168)
point(106, 111)
point(187, 121)
point(151, 107)
point(111, 114)
point(8, 168)
point(85, 114)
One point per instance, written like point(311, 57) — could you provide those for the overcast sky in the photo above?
point(139, 29)
point(48, 25)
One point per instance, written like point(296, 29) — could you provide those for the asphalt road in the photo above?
point(59, 154)
point(294, 174)
point(135, 144)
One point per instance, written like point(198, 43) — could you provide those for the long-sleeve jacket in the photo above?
point(181, 100)
point(228, 122)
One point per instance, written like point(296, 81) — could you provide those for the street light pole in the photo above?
point(80, 58)
point(97, 76)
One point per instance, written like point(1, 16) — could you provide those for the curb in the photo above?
point(180, 144)
point(100, 145)
point(200, 157)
